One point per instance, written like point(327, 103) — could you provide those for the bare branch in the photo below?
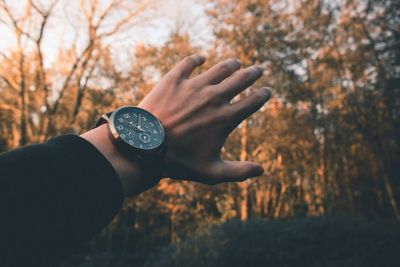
point(124, 21)
point(106, 11)
point(9, 82)
point(9, 14)
point(88, 16)
point(8, 59)
point(82, 89)
point(84, 56)
point(15, 22)
point(37, 8)
point(27, 12)
point(42, 11)
point(7, 107)
point(4, 55)
point(256, 151)
point(45, 15)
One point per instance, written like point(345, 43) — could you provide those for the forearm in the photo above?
point(54, 197)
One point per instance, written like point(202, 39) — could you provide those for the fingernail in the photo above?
point(258, 171)
point(257, 70)
point(202, 59)
point(267, 91)
point(238, 61)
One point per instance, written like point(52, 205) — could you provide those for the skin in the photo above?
point(198, 116)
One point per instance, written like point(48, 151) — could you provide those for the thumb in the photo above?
point(235, 171)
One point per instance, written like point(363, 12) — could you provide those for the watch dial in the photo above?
point(138, 128)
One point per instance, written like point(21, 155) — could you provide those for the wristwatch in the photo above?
point(138, 135)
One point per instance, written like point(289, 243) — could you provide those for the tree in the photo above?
point(329, 66)
point(49, 99)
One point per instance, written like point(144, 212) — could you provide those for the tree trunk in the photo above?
point(243, 186)
point(22, 95)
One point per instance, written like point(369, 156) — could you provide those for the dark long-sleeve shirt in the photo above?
point(54, 197)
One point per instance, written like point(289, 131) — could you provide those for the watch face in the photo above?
point(138, 128)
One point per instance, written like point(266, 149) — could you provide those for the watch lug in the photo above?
point(105, 117)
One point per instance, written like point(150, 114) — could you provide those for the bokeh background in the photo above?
point(328, 139)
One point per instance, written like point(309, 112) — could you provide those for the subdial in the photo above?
point(144, 138)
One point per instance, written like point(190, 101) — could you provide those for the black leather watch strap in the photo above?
point(103, 120)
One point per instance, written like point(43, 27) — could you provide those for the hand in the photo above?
point(198, 117)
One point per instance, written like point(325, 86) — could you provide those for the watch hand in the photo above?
point(146, 129)
point(141, 129)
point(127, 123)
point(138, 127)
point(140, 121)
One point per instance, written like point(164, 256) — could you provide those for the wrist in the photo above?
point(132, 177)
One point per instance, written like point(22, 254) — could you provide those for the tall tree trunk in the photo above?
point(258, 200)
point(348, 188)
point(14, 141)
point(23, 140)
point(23, 136)
point(391, 197)
point(243, 186)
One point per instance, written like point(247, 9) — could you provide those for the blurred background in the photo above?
point(328, 139)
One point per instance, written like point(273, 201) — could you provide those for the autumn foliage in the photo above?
point(328, 139)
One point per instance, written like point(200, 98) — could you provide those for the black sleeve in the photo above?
point(53, 198)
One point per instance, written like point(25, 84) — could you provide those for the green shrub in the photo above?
point(303, 242)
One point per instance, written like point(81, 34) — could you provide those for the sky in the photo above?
point(189, 15)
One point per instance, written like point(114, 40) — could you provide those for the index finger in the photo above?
point(187, 66)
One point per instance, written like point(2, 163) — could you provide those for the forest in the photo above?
point(328, 139)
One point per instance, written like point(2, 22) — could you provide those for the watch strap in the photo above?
point(154, 166)
point(103, 119)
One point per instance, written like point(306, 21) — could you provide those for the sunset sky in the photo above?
point(167, 16)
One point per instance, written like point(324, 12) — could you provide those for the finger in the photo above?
point(237, 171)
point(249, 105)
point(219, 72)
point(240, 81)
point(187, 66)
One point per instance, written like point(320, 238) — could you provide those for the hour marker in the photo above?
point(141, 146)
point(126, 116)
